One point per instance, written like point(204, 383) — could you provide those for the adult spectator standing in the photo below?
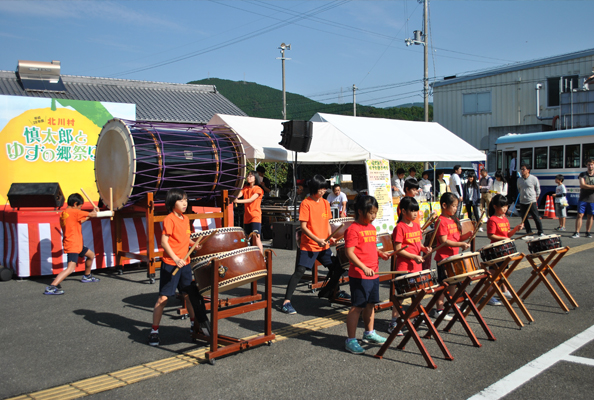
point(442, 186)
point(338, 199)
point(265, 182)
point(456, 187)
point(398, 183)
point(485, 185)
point(412, 174)
point(513, 179)
point(586, 200)
point(529, 190)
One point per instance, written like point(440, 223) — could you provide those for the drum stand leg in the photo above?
point(540, 272)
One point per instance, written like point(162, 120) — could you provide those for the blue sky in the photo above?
point(335, 44)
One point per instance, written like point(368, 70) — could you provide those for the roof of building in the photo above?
point(155, 101)
point(515, 67)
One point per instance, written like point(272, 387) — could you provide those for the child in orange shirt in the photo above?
point(176, 242)
point(252, 195)
point(71, 221)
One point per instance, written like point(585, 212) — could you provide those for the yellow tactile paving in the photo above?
point(135, 374)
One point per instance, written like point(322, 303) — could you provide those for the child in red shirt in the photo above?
point(407, 233)
point(361, 249)
point(71, 221)
point(252, 195)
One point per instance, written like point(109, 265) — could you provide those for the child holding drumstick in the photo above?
point(361, 249)
point(497, 230)
point(450, 233)
point(407, 233)
point(252, 195)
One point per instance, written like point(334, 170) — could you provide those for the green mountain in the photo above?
point(265, 102)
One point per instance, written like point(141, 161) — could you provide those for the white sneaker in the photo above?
point(481, 229)
point(528, 238)
point(436, 313)
point(508, 295)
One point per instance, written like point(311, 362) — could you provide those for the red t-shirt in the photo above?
point(253, 211)
point(316, 214)
point(498, 226)
point(179, 232)
point(363, 238)
point(447, 227)
point(410, 236)
point(71, 220)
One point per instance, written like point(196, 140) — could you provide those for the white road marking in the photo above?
point(524, 374)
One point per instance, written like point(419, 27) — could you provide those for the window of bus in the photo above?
point(540, 157)
point(525, 157)
point(499, 160)
point(587, 152)
point(556, 157)
point(572, 156)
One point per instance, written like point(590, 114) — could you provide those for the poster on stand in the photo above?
point(378, 184)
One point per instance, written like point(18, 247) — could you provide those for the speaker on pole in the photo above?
point(35, 195)
point(297, 135)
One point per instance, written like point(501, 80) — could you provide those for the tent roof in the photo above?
point(400, 140)
point(260, 137)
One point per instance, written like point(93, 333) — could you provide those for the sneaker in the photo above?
point(354, 347)
point(576, 235)
point(288, 309)
point(528, 238)
point(541, 234)
point(343, 295)
point(588, 235)
point(494, 302)
point(392, 326)
point(153, 339)
point(436, 313)
point(89, 278)
point(53, 290)
point(507, 295)
point(373, 337)
point(204, 328)
point(562, 229)
point(422, 321)
point(481, 230)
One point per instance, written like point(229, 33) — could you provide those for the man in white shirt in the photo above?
point(456, 187)
point(338, 199)
point(412, 173)
point(398, 183)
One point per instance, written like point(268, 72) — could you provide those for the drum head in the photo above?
point(497, 260)
point(461, 277)
point(458, 257)
point(412, 275)
point(496, 244)
point(545, 237)
point(114, 163)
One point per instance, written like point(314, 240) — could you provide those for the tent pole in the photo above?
point(434, 179)
point(295, 188)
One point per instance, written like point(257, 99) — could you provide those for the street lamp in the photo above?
point(421, 39)
point(282, 48)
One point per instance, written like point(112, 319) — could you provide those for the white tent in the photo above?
point(260, 137)
point(400, 140)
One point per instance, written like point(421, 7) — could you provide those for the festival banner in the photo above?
point(378, 184)
point(53, 140)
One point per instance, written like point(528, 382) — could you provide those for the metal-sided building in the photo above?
point(532, 96)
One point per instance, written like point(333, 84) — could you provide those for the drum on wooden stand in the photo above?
point(413, 283)
point(497, 250)
point(220, 240)
point(134, 158)
point(544, 243)
point(384, 242)
point(342, 256)
point(237, 268)
point(458, 267)
point(335, 227)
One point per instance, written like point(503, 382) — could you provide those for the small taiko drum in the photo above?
point(544, 243)
point(220, 240)
point(497, 250)
point(411, 284)
point(467, 226)
point(342, 256)
point(237, 268)
point(384, 242)
point(460, 266)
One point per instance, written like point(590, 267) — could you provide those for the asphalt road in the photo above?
point(100, 328)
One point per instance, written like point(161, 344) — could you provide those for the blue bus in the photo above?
point(550, 153)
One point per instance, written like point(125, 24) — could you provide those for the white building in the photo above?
point(483, 106)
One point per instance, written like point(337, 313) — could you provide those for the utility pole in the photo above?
point(418, 35)
point(354, 100)
point(282, 48)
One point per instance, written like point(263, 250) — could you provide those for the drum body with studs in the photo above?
point(335, 227)
point(220, 240)
point(411, 284)
point(544, 243)
point(497, 250)
point(461, 265)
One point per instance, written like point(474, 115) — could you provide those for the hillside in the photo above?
point(265, 102)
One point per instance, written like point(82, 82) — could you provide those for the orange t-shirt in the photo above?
point(70, 221)
point(179, 232)
point(253, 211)
point(316, 214)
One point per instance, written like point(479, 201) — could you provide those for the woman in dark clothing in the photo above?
point(472, 197)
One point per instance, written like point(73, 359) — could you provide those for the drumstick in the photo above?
point(434, 233)
point(335, 232)
point(196, 243)
point(111, 201)
point(88, 198)
point(435, 249)
point(478, 226)
point(391, 272)
point(429, 222)
point(524, 235)
point(528, 210)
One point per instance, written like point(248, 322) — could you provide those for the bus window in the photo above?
point(587, 152)
point(540, 157)
point(499, 160)
point(525, 158)
point(556, 158)
point(572, 156)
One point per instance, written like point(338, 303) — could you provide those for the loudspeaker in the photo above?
point(297, 135)
point(283, 235)
point(35, 195)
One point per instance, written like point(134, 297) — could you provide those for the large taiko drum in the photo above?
point(544, 243)
point(460, 266)
point(134, 158)
point(337, 230)
point(411, 284)
point(342, 256)
point(494, 251)
point(237, 268)
point(220, 240)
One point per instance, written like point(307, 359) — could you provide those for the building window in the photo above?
point(476, 103)
point(499, 160)
point(587, 152)
point(540, 157)
point(525, 158)
point(556, 158)
point(567, 83)
point(572, 156)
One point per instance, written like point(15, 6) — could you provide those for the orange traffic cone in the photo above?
point(549, 208)
point(552, 214)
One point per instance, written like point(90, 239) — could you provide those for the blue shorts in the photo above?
point(364, 291)
point(307, 259)
point(168, 282)
point(585, 208)
point(73, 257)
point(255, 227)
